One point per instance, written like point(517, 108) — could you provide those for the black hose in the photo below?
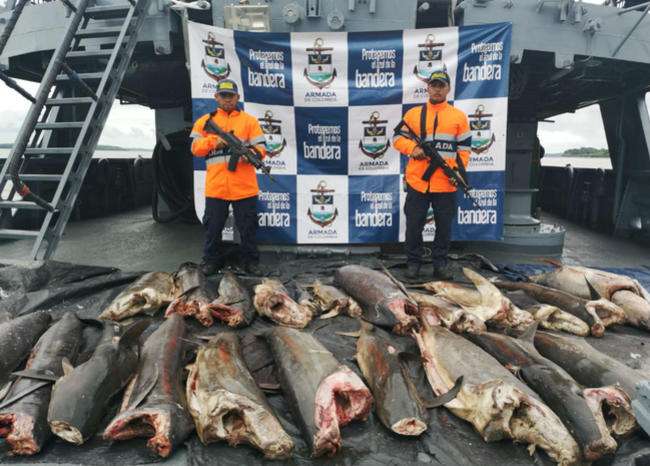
point(172, 180)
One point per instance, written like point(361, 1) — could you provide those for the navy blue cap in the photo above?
point(227, 86)
point(440, 75)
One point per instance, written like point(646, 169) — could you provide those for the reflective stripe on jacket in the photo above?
point(221, 183)
point(453, 137)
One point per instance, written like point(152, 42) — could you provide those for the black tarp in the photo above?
point(60, 287)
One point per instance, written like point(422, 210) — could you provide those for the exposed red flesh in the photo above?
point(406, 314)
point(144, 424)
point(18, 432)
point(341, 398)
point(229, 315)
point(193, 308)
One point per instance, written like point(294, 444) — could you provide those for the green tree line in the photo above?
point(586, 152)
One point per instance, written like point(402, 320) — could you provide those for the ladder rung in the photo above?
point(89, 53)
point(36, 177)
point(48, 150)
point(111, 31)
point(17, 234)
point(70, 101)
point(20, 205)
point(84, 76)
point(107, 11)
point(60, 125)
point(69, 5)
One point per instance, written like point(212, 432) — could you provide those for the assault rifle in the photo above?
point(238, 149)
point(456, 177)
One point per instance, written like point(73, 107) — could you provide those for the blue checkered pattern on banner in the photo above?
point(328, 102)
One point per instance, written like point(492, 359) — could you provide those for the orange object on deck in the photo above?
point(453, 137)
point(221, 183)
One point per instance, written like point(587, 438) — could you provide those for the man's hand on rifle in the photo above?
point(216, 142)
point(418, 153)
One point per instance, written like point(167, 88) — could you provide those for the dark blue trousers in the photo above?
point(415, 208)
point(214, 220)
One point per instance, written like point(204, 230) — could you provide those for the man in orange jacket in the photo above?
point(224, 187)
point(448, 128)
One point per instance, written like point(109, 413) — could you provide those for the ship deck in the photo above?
point(133, 241)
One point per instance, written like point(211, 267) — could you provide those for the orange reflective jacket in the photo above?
point(452, 138)
point(220, 182)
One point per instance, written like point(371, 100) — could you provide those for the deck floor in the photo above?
point(133, 241)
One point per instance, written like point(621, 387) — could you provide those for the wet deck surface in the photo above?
point(584, 246)
point(133, 241)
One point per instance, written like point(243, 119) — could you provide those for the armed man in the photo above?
point(427, 184)
point(228, 181)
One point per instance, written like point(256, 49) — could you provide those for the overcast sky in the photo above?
point(127, 126)
point(133, 125)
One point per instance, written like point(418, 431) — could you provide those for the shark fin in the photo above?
point(595, 295)
point(133, 332)
point(446, 397)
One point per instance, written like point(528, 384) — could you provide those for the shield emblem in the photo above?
point(481, 133)
point(214, 61)
point(481, 127)
point(274, 141)
point(323, 214)
point(319, 71)
point(429, 58)
point(322, 211)
point(374, 142)
point(320, 67)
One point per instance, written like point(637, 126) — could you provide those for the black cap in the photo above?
point(227, 86)
point(440, 75)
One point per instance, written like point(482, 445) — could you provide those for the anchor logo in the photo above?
point(322, 211)
point(214, 61)
point(319, 71)
point(480, 126)
point(272, 128)
point(429, 59)
point(374, 143)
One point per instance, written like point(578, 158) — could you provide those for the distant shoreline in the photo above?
point(586, 156)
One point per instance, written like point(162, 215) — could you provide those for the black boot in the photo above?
point(211, 267)
point(413, 270)
point(442, 273)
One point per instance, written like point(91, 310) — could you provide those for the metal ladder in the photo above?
point(68, 105)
